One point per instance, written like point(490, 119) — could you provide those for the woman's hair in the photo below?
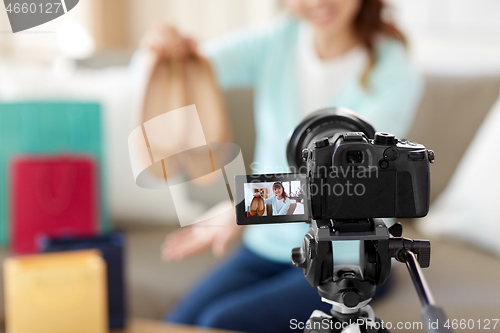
point(283, 193)
point(368, 25)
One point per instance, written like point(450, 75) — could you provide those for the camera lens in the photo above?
point(321, 124)
point(354, 156)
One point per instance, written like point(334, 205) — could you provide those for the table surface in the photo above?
point(137, 325)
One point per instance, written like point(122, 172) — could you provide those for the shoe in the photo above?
point(261, 207)
point(257, 207)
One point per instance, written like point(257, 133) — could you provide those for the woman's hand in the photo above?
point(216, 233)
point(166, 42)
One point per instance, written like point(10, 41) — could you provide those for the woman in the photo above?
point(280, 202)
point(326, 53)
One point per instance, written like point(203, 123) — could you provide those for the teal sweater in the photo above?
point(274, 202)
point(265, 60)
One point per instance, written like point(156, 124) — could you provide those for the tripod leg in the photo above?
point(320, 322)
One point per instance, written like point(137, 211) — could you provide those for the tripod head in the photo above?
point(349, 288)
point(350, 285)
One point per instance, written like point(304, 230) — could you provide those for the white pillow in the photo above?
point(468, 209)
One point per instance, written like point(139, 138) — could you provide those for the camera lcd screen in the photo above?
point(277, 198)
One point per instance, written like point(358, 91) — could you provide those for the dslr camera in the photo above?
point(344, 171)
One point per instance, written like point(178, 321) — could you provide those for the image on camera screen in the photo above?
point(274, 198)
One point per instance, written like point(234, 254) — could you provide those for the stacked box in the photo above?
point(56, 293)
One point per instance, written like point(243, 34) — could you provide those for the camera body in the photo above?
point(354, 177)
point(345, 171)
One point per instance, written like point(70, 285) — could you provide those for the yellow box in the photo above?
point(61, 292)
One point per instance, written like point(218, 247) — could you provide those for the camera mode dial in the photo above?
point(382, 138)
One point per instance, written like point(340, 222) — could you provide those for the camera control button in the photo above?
point(417, 155)
point(431, 156)
point(321, 143)
point(305, 154)
point(298, 259)
point(391, 154)
point(383, 164)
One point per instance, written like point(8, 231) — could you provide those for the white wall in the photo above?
point(452, 37)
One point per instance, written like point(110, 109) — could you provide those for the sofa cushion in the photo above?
point(468, 208)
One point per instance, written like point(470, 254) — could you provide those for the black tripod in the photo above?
point(350, 288)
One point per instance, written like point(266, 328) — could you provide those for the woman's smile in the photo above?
point(321, 16)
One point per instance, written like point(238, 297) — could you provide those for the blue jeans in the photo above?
point(249, 293)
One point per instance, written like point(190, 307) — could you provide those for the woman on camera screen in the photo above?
point(322, 53)
point(280, 201)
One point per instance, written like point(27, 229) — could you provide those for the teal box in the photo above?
point(47, 128)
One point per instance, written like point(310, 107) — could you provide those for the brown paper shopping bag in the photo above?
point(173, 84)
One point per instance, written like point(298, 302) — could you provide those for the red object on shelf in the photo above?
point(52, 196)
